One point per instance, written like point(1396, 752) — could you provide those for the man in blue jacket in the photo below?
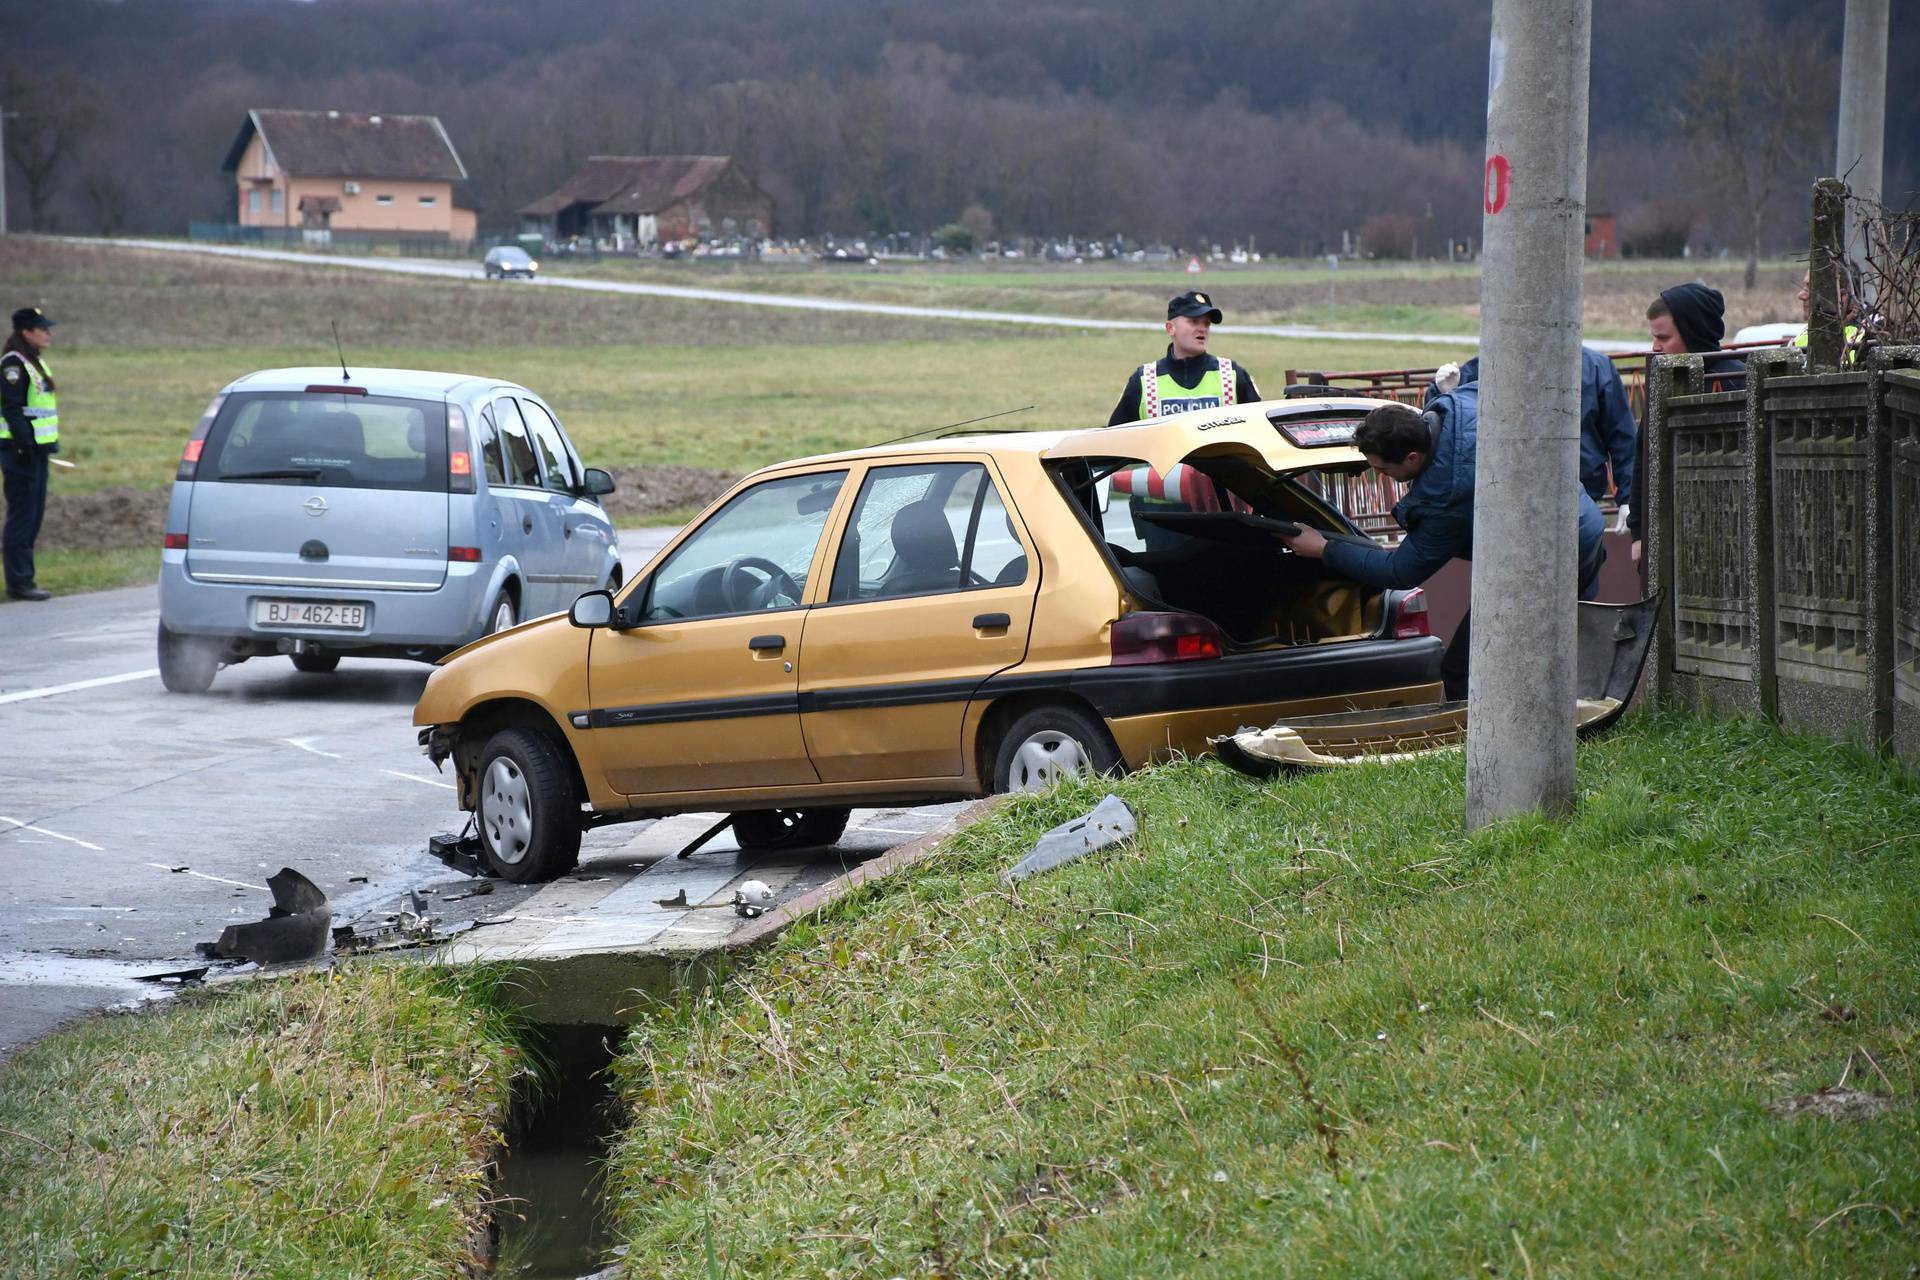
point(1434, 452)
point(1609, 434)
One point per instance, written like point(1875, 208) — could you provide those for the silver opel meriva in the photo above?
point(391, 513)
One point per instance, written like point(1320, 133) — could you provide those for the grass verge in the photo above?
point(336, 1124)
point(63, 571)
point(1306, 1028)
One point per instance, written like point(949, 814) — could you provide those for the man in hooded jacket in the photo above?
point(1433, 451)
point(1688, 318)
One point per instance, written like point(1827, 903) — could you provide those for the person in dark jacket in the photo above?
point(1609, 433)
point(29, 437)
point(1433, 451)
point(1688, 318)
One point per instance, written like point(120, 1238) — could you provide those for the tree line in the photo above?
point(1279, 126)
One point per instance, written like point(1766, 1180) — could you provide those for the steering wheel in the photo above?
point(742, 592)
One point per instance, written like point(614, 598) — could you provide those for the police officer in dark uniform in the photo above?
point(29, 437)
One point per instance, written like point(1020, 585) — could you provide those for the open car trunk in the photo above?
point(1191, 508)
point(1613, 641)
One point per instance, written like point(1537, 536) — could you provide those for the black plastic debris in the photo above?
point(295, 928)
point(461, 852)
point(175, 977)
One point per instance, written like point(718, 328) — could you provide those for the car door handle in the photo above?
point(987, 621)
point(769, 643)
point(526, 524)
point(566, 530)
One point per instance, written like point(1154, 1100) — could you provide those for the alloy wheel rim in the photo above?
point(1046, 758)
point(503, 616)
point(506, 811)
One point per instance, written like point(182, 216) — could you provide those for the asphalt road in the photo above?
point(135, 823)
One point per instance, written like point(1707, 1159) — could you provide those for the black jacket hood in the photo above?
point(1699, 314)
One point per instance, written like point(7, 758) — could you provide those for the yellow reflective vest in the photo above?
point(41, 408)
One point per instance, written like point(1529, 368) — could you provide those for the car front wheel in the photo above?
point(1048, 745)
point(187, 663)
point(528, 812)
point(774, 830)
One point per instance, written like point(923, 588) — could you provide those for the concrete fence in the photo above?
point(1784, 538)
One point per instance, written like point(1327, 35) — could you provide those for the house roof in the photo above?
point(343, 144)
point(631, 184)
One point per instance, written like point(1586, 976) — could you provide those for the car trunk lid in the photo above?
point(306, 489)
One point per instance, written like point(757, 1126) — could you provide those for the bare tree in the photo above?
point(54, 119)
point(1756, 109)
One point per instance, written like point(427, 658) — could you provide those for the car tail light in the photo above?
point(190, 457)
point(459, 453)
point(465, 555)
point(175, 542)
point(1410, 619)
point(1163, 637)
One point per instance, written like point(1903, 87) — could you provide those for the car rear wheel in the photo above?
point(772, 830)
point(501, 617)
point(318, 662)
point(187, 663)
point(1049, 745)
point(528, 813)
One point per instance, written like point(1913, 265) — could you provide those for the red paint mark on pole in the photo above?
point(1499, 179)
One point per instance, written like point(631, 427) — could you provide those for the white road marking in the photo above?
point(239, 884)
point(52, 689)
point(302, 744)
point(412, 777)
point(890, 831)
point(28, 826)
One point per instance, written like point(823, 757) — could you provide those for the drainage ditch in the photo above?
point(551, 1216)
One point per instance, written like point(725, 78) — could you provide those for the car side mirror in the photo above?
point(594, 609)
point(599, 483)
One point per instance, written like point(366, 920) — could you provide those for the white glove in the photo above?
point(1446, 377)
point(1620, 523)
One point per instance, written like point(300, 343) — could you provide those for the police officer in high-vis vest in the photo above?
point(1183, 379)
point(1186, 377)
point(29, 437)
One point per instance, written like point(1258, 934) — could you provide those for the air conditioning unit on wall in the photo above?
point(352, 188)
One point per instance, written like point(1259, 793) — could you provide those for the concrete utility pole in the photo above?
point(1520, 713)
point(1863, 98)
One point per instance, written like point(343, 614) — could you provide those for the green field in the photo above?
point(146, 338)
point(1296, 1028)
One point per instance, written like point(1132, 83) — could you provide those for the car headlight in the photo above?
point(533, 266)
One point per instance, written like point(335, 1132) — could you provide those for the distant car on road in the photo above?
point(928, 621)
point(506, 261)
point(390, 514)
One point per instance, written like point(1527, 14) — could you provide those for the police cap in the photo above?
point(1194, 304)
point(31, 318)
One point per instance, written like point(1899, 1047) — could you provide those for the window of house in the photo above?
point(253, 200)
point(428, 200)
point(279, 200)
point(383, 199)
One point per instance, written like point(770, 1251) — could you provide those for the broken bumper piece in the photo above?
point(295, 928)
point(1613, 641)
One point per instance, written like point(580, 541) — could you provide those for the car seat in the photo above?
point(925, 558)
